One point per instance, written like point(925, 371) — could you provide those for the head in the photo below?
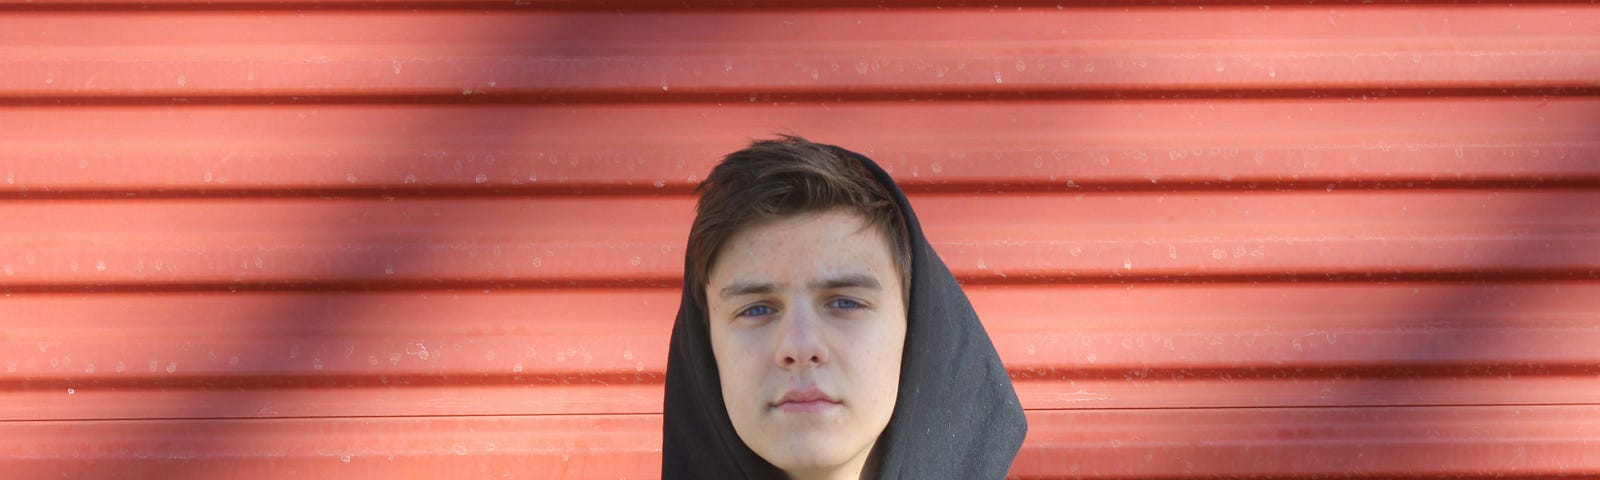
point(803, 267)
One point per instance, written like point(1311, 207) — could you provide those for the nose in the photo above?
point(800, 343)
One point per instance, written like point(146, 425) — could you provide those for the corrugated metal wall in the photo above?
point(442, 239)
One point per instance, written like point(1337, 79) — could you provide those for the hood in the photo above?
point(956, 416)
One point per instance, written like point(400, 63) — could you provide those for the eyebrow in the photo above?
point(747, 288)
point(852, 280)
point(849, 280)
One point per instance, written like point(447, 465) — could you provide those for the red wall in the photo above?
point(442, 239)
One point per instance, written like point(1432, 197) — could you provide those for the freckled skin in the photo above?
point(846, 341)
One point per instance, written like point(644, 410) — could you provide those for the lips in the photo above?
point(806, 400)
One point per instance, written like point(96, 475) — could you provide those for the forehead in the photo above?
point(802, 247)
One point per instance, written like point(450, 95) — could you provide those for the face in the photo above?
point(807, 325)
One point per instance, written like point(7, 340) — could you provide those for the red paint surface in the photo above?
point(443, 239)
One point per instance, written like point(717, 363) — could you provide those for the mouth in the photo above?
point(806, 400)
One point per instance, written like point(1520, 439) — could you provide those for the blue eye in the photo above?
point(845, 303)
point(756, 311)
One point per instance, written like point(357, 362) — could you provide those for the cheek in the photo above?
point(881, 366)
point(733, 352)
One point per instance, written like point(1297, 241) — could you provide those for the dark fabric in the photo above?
point(956, 417)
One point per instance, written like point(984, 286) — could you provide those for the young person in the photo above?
point(819, 336)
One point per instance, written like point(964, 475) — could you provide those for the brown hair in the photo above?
point(783, 177)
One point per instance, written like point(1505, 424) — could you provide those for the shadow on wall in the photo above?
point(303, 325)
point(1470, 347)
point(307, 343)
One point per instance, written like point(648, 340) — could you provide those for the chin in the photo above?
point(803, 452)
point(802, 462)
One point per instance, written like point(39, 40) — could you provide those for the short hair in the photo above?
point(782, 177)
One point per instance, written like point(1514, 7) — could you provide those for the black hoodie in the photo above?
point(956, 416)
